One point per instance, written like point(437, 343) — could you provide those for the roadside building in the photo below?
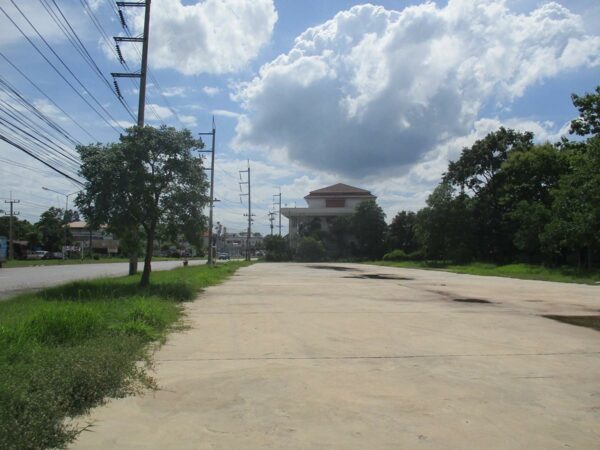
point(324, 206)
point(235, 243)
point(100, 241)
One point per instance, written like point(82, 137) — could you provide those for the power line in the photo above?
point(59, 72)
point(25, 150)
point(45, 95)
point(73, 38)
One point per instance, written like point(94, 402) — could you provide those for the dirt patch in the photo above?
point(534, 301)
point(378, 276)
point(470, 300)
point(337, 268)
point(580, 321)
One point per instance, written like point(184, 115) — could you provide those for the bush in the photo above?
point(310, 250)
point(401, 255)
point(395, 255)
point(277, 249)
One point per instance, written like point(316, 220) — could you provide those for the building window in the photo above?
point(335, 202)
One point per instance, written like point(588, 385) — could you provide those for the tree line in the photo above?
point(508, 199)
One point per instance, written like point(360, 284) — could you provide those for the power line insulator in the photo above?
point(121, 59)
point(118, 91)
point(122, 18)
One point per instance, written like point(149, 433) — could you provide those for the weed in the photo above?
point(66, 349)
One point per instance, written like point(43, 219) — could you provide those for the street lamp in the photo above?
point(66, 208)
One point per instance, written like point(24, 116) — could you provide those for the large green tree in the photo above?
point(477, 174)
point(402, 232)
point(51, 229)
point(151, 176)
point(369, 229)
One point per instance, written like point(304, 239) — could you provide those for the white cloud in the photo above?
point(211, 91)
point(374, 90)
point(162, 111)
point(225, 113)
point(211, 36)
point(189, 121)
point(175, 91)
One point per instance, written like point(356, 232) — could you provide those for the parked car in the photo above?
point(53, 255)
point(223, 256)
point(38, 254)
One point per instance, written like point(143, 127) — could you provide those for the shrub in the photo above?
point(277, 249)
point(310, 250)
point(395, 255)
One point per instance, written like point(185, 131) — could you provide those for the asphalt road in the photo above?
point(15, 280)
point(342, 356)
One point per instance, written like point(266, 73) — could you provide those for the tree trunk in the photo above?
point(590, 257)
point(133, 263)
point(145, 281)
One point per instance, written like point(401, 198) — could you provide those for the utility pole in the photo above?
point(133, 259)
point(11, 251)
point(271, 219)
point(278, 208)
point(144, 67)
point(249, 215)
point(213, 133)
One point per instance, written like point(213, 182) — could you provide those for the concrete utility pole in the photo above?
point(278, 208)
point(271, 220)
point(133, 259)
point(212, 199)
point(249, 215)
point(12, 213)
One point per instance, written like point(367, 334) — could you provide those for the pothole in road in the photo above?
point(592, 322)
point(470, 300)
point(337, 268)
point(378, 276)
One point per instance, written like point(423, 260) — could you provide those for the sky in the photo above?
point(309, 93)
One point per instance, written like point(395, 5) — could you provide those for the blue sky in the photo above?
point(377, 95)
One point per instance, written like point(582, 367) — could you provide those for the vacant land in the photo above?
point(64, 349)
point(521, 271)
point(351, 356)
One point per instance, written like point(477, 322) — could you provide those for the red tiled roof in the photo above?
point(340, 189)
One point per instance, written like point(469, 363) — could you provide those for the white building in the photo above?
point(324, 205)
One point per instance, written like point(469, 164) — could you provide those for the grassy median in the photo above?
point(521, 271)
point(66, 349)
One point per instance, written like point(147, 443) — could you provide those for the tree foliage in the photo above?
point(369, 229)
point(508, 199)
point(149, 177)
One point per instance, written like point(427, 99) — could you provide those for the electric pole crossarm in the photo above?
point(125, 4)
point(128, 39)
point(125, 75)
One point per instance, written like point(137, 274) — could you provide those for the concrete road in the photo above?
point(15, 280)
point(289, 356)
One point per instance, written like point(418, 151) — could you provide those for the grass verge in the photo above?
point(62, 262)
point(522, 271)
point(66, 349)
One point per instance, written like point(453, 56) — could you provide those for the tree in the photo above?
point(477, 173)
point(310, 250)
point(51, 229)
point(445, 227)
point(276, 248)
point(402, 232)
point(369, 229)
point(21, 228)
point(149, 177)
point(526, 193)
point(575, 214)
point(588, 121)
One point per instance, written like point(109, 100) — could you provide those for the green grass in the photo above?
point(61, 262)
point(522, 271)
point(66, 349)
